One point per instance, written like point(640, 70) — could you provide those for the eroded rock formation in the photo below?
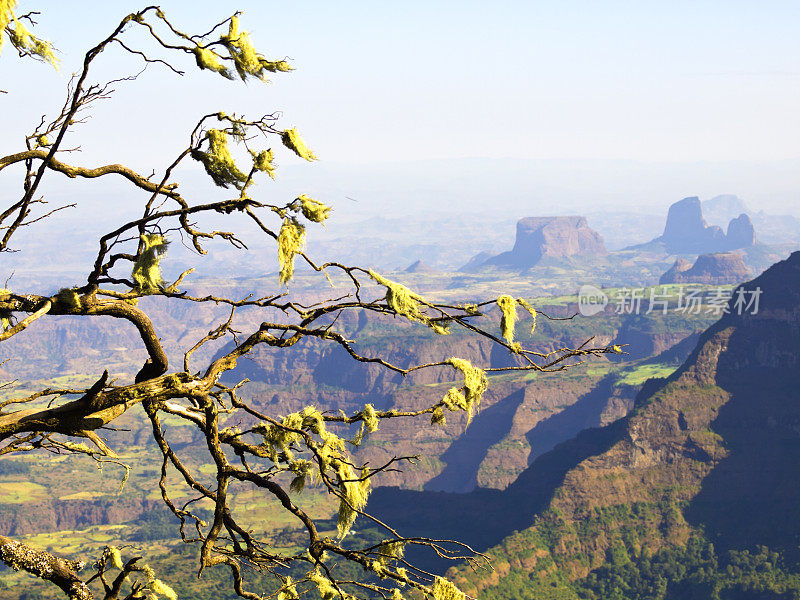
point(557, 237)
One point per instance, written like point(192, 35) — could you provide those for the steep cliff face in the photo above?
point(712, 269)
point(686, 227)
point(741, 233)
point(714, 448)
point(556, 237)
point(711, 450)
point(56, 515)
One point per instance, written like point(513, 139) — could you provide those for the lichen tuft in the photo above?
point(291, 240)
point(147, 266)
point(443, 589)
point(475, 384)
point(292, 140)
point(313, 210)
point(532, 311)
point(263, 162)
point(218, 161)
point(508, 319)
point(208, 60)
point(162, 589)
point(407, 303)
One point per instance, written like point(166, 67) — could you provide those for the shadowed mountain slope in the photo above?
point(714, 448)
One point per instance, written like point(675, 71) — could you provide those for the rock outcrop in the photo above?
point(711, 269)
point(686, 231)
point(556, 237)
point(741, 233)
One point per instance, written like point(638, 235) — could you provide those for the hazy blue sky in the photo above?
point(395, 81)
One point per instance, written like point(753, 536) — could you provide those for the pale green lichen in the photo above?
point(407, 303)
point(369, 424)
point(313, 210)
point(304, 474)
point(207, 59)
point(508, 319)
point(276, 66)
point(288, 591)
point(6, 15)
point(162, 589)
point(443, 589)
point(24, 41)
point(292, 140)
point(263, 162)
point(370, 418)
point(354, 490)
point(324, 585)
point(471, 309)
point(455, 400)
point(247, 61)
point(278, 439)
point(475, 384)
point(147, 266)
point(531, 311)
point(218, 161)
point(291, 240)
point(389, 552)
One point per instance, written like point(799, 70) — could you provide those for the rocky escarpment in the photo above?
point(711, 450)
point(687, 231)
point(557, 237)
point(58, 515)
point(713, 269)
point(741, 233)
point(714, 449)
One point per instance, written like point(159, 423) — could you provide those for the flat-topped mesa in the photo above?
point(557, 237)
point(711, 269)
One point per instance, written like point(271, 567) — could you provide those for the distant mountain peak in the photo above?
point(419, 267)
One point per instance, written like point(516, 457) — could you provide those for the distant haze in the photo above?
point(521, 108)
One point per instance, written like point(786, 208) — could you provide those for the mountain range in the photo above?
point(708, 458)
